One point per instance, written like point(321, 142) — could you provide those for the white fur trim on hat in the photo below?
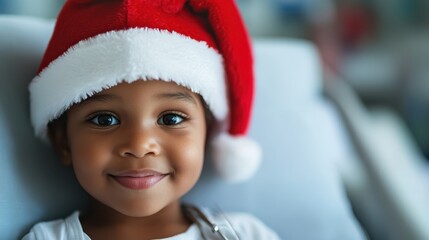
point(125, 56)
point(236, 159)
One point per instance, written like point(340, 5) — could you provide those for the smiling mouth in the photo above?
point(138, 180)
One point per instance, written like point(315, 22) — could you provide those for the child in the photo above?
point(130, 93)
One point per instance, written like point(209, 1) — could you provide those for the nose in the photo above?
point(138, 143)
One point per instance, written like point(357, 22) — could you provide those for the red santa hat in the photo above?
point(199, 44)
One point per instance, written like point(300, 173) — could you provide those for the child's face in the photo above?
point(137, 147)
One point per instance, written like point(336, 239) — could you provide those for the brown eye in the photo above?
point(170, 119)
point(105, 120)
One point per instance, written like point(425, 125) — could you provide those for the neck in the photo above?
point(103, 222)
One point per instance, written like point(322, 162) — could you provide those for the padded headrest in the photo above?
point(295, 59)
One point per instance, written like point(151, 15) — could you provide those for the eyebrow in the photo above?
point(179, 96)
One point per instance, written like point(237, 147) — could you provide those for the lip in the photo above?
point(138, 180)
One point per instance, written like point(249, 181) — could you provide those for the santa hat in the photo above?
point(199, 44)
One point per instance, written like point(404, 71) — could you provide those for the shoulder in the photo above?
point(248, 226)
point(67, 228)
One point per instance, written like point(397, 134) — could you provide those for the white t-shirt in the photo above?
point(245, 225)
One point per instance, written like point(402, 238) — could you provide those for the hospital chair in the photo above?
point(388, 187)
point(310, 163)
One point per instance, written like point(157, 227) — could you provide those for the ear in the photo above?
point(57, 132)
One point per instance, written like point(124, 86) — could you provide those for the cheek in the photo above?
point(187, 155)
point(190, 152)
point(88, 159)
point(84, 146)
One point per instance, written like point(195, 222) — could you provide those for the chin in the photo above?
point(141, 209)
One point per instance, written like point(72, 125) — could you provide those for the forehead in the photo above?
point(150, 90)
point(153, 86)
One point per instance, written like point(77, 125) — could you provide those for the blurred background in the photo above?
point(378, 47)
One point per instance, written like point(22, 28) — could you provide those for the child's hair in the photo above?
point(199, 44)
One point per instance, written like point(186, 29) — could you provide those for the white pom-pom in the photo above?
point(236, 159)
